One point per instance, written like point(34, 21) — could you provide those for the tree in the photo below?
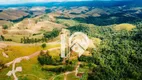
point(5, 26)
point(43, 45)
point(2, 38)
point(22, 40)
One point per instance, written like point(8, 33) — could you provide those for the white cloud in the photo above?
point(57, 0)
point(25, 1)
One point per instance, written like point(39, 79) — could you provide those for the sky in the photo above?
point(27, 1)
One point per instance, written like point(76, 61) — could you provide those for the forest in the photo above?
point(118, 57)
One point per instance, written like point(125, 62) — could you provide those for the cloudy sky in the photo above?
point(26, 1)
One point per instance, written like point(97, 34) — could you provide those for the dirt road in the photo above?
point(18, 60)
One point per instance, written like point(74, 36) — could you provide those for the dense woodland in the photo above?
point(119, 55)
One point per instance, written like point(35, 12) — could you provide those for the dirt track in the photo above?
point(18, 60)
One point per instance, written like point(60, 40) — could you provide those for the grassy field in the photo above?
point(31, 68)
point(67, 22)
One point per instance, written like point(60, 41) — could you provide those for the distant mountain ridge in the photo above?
point(68, 4)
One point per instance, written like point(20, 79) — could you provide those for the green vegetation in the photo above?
point(43, 45)
point(59, 69)
point(67, 22)
point(25, 38)
point(50, 63)
point(50, 35)
point(32, 40)
point(2, 38)
point(127, 27)
point(5, 26)
point(42, 18)
point(118, 57)
point(105, 20)
point(45, 58)
point(83, 27)
point(32, 70)
point(85, 76)
point(72, 77)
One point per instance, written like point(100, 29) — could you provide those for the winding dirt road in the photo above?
point(18, 60)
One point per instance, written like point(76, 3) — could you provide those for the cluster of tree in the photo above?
point(46, 59)
point(79, 27)
point(50, 35)
point(119, 56)
point(32, 40)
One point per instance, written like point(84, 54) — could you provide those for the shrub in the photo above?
point(43, 45)
point(5, 26)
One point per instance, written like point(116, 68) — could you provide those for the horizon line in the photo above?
point(65, 1)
